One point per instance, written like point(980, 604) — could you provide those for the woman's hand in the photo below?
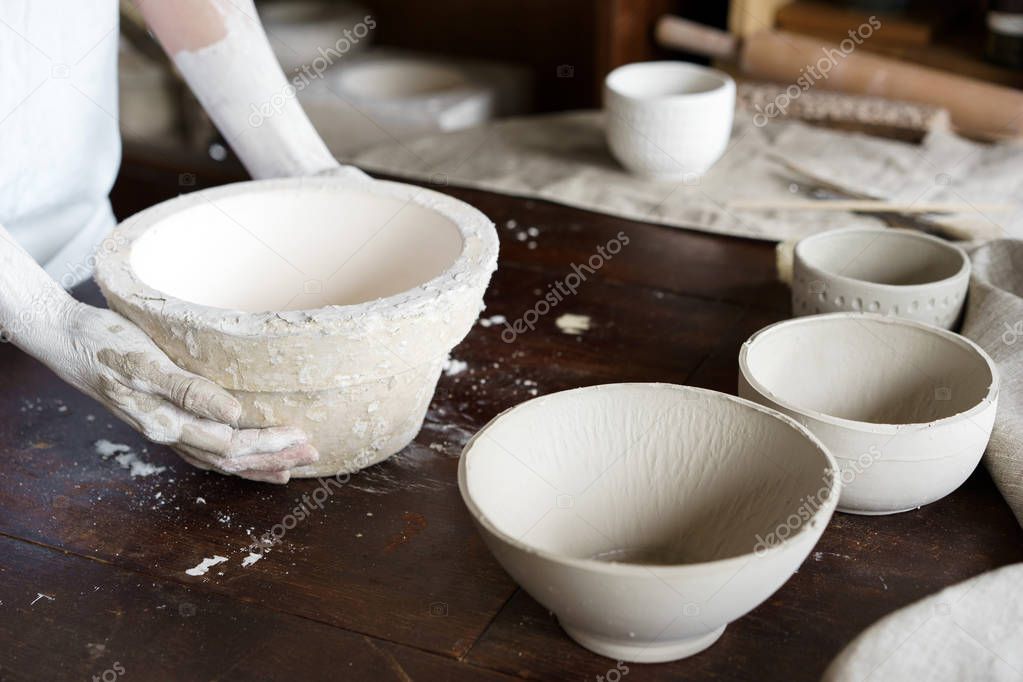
point(107, 357)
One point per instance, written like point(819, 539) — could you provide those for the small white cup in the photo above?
point(668, 120)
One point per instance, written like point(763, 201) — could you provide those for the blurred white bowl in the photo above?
point(668, 120)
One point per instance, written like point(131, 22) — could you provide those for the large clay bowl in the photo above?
point(329, 304)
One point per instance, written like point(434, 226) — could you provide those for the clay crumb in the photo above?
point(573, 324)
point(126, 457)
point(453, 367)
point(105, 448)
point(492, 320)
point(203, 566)
point(40, 595)
point(252, 558)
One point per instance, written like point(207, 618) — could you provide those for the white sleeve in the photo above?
point(241, 85)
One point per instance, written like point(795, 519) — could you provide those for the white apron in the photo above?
point(59, 140)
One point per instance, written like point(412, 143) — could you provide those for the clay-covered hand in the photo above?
point(107, 357)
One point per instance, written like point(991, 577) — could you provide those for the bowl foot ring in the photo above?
point(634, 651)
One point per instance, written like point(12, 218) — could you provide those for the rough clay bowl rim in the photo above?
point(624, 568)
point(874, 427)
point(882, 232)
point(726, 82)
point(476, 258)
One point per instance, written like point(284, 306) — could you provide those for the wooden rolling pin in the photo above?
point(976, 108)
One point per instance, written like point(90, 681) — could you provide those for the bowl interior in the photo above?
point(868, 370)
point(882, 257)
point(398, 78)
point(642, 473)
point(652, 80)
point(295, 249)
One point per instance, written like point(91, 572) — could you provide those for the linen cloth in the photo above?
point(994, 320)
point(970, 631)
point(563, 158)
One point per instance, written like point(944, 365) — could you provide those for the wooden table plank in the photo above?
point(67, 617)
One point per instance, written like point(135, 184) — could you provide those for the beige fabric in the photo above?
point(970, 631)
point(563, 158)
point(994, 319)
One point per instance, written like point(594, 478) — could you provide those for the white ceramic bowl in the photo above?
point(325, 303)
point(906, 408)
point(647, 516)
point(668, 120)
point(892, 272)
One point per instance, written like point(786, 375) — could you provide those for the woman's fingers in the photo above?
point(258, 454)
point(194, 461)
point(149, 371)
point(194, 394)
point(271, 439)
point(228, 443)
point(296, 456)
point(205, 460)
point(287, 459)
point(279, 477)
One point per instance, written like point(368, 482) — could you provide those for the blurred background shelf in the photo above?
point(508, 57)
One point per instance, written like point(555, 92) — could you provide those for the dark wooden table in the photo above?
point(389, 580)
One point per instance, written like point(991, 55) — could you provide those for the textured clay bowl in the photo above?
point(329, 304)
point(647, 516)
point(906, 408)
point(892, 272)
point(668, 120)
